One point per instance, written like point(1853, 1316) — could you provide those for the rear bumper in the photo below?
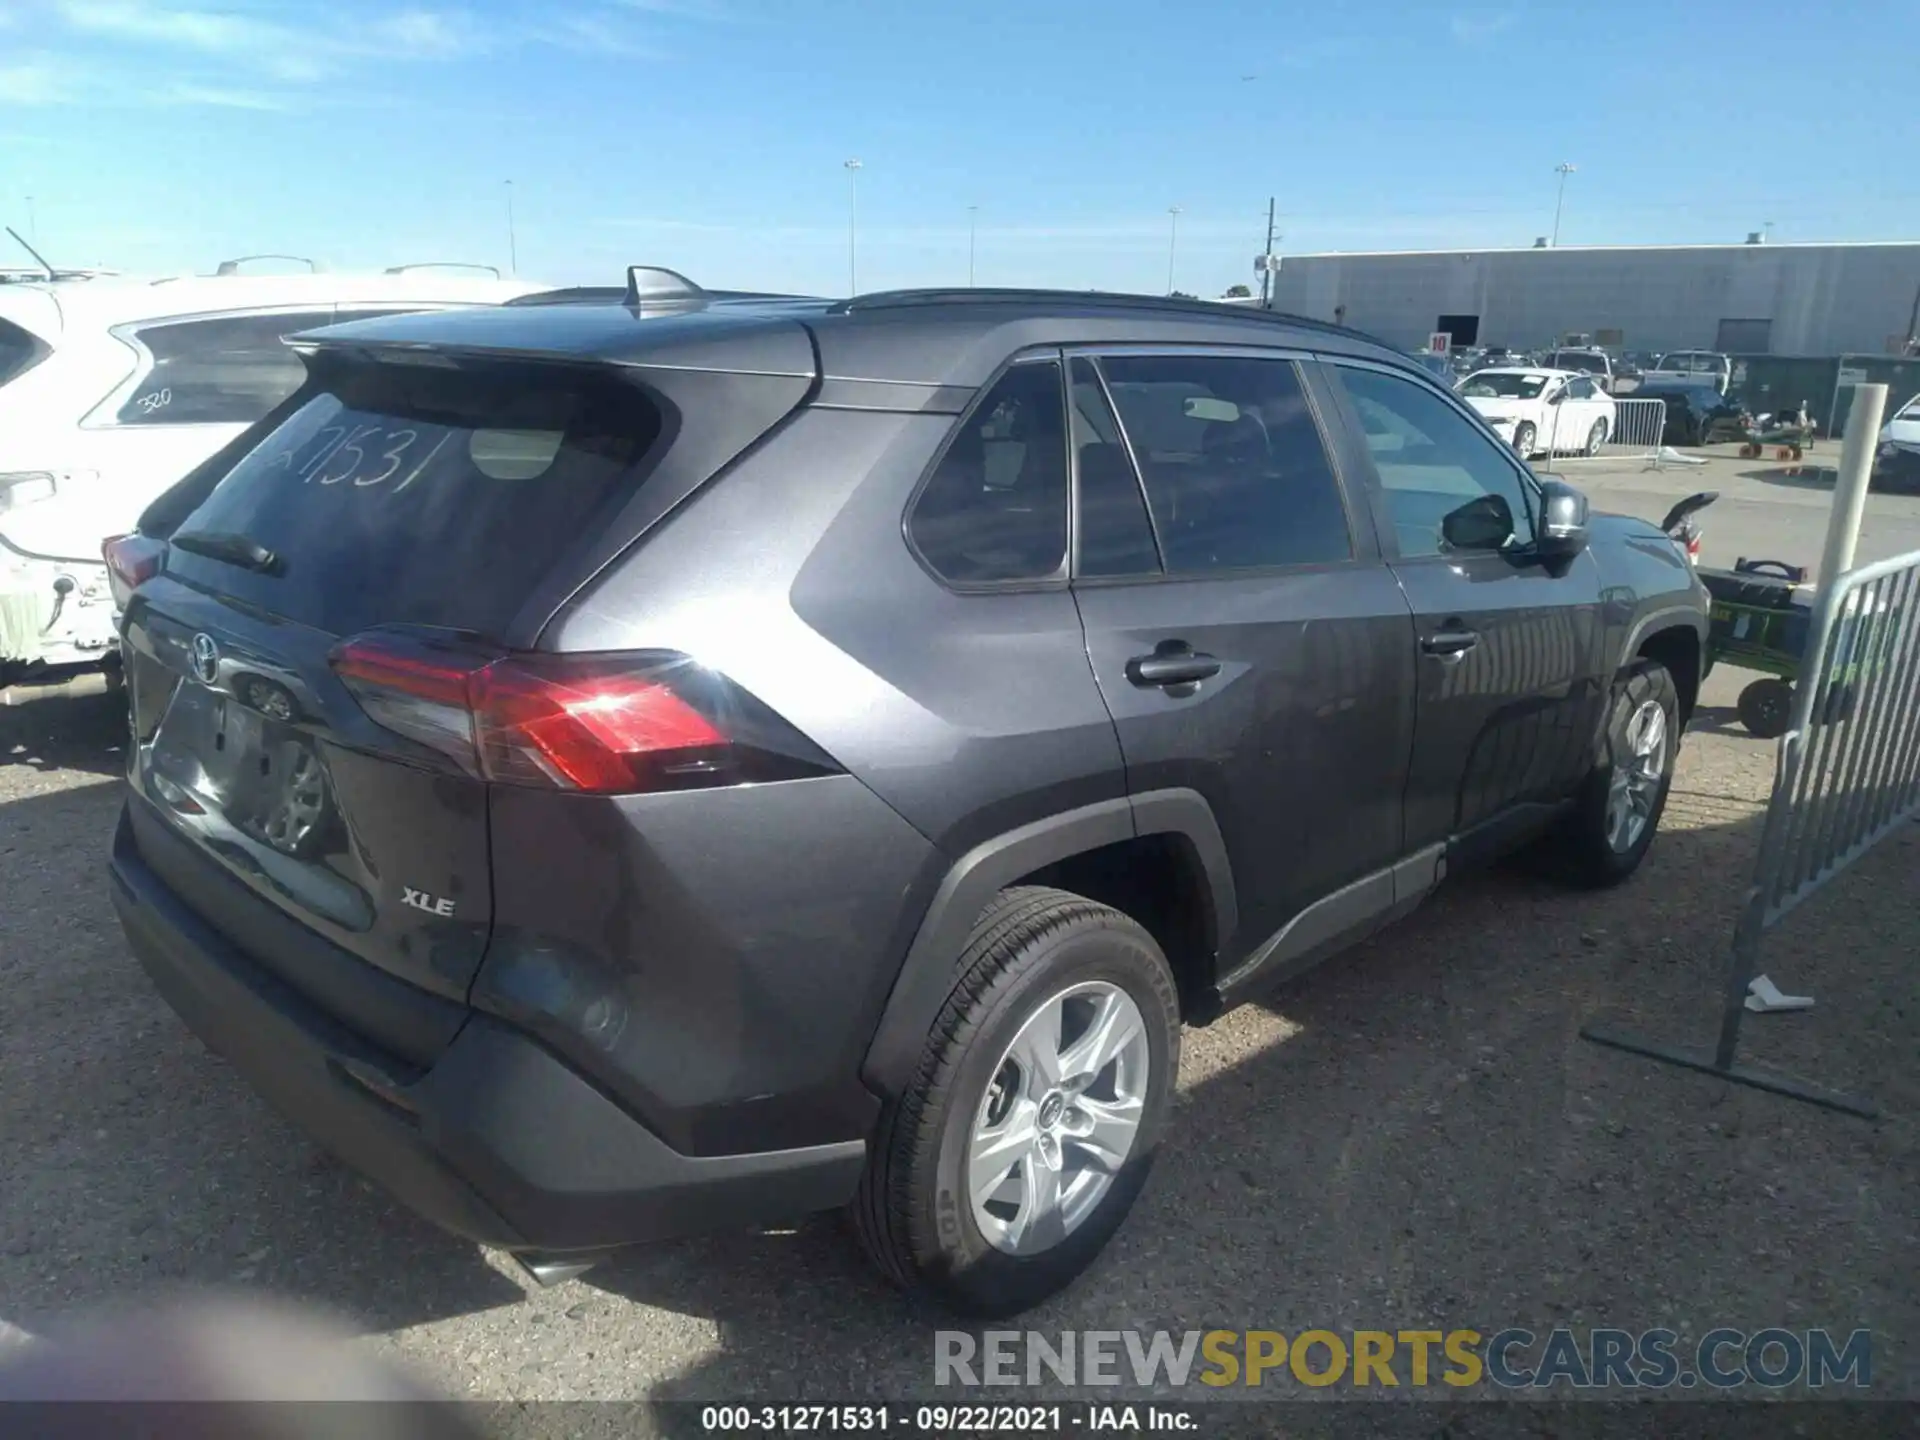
point(53, 612)
point(498, 1140)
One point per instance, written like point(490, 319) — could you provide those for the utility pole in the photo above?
point(1173, 243)
point(853, 225)
point(513, 241)
point(1563, 169)
point(973, 219)
point(1266, 273)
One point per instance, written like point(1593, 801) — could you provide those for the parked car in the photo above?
point(1596, 363)
point(1552, 411)
point(1710, 366)
point(113, 388)
point(1440, 367)
point(1896, 463)
point(609, 780)
point(1697, 414)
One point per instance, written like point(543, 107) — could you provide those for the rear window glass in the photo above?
point(20, 350)
point(405, 495)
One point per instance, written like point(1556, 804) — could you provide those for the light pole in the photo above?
point(513, 241)
point(1173, 242)
point(1563, 169)
point(973, 220)
point(853, 225)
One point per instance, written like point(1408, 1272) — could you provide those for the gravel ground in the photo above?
point(1411, 1137)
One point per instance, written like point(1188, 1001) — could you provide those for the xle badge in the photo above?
point(420, 900)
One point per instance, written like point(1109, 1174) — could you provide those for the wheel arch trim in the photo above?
point(927, 976)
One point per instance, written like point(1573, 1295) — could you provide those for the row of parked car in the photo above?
point(613, 764)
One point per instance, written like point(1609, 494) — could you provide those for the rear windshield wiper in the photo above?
point(230, 546)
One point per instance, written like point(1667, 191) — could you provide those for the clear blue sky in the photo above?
point(709, 134)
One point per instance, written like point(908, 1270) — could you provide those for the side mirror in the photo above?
point(1563, 520)
point(1483, 523)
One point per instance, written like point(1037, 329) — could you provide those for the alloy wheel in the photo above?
point(1634, 788)
point(1059, 1118)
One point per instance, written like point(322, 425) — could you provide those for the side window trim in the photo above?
point(1529, 485)
point(103, 415)
point(1354, 486)
point(1062, 573)
point(1133, 463)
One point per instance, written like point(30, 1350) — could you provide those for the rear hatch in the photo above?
point(391, 526)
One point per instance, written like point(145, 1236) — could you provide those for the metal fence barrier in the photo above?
point(1847, 776)
point(1635, 434)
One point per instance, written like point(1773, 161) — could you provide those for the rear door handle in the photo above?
point(1171, 667)
point(1450, 644)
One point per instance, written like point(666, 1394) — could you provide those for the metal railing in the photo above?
point(1848, 770)
point(1635, 433)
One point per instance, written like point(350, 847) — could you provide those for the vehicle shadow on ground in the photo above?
point(1415, 1136)
point(1718, 720)
point(1412, 1136)
point(64, 732)
point(133, 1159)
point(1801, 476)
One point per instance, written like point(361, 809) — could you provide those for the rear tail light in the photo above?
point(604, 724)
point(131, 559)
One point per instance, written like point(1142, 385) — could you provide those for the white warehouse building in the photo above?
point(1748, 299)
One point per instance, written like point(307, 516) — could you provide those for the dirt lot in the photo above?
point(1412, 1137)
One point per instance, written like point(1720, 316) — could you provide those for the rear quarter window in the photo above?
point(20, 351)
point(409, 495)
point(225, 370)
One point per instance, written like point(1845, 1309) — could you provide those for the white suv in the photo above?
point(112, 388)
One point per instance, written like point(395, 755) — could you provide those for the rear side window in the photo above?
point(20, 351)
point(404, 495)
point(229, 370)
point(995, 508)
point(1235, 469)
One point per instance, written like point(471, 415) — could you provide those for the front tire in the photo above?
point(1029, 1126)
point(1619, 808)
point(1523, 438)
point(1596, 437)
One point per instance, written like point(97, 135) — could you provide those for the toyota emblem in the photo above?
point(206, 659)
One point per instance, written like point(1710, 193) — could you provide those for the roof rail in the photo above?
point(572, 295)
point(232, 267)
point(493, 270)
point(1098, 299)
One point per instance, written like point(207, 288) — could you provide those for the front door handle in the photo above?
point(1450, 644)
point(1171, 667)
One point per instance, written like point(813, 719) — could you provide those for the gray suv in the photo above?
point(645, 763)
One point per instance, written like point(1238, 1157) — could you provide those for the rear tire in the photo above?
point(1618, 811)
point(984, 1099)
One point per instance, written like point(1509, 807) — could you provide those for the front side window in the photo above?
point(226, 370)
point(1444, 480)
point(1232, 459)
point(995, 508)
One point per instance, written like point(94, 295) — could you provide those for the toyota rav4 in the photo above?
point(617, 769)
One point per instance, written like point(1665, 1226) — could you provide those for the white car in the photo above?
point(1551, 412)
point(113, 388)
